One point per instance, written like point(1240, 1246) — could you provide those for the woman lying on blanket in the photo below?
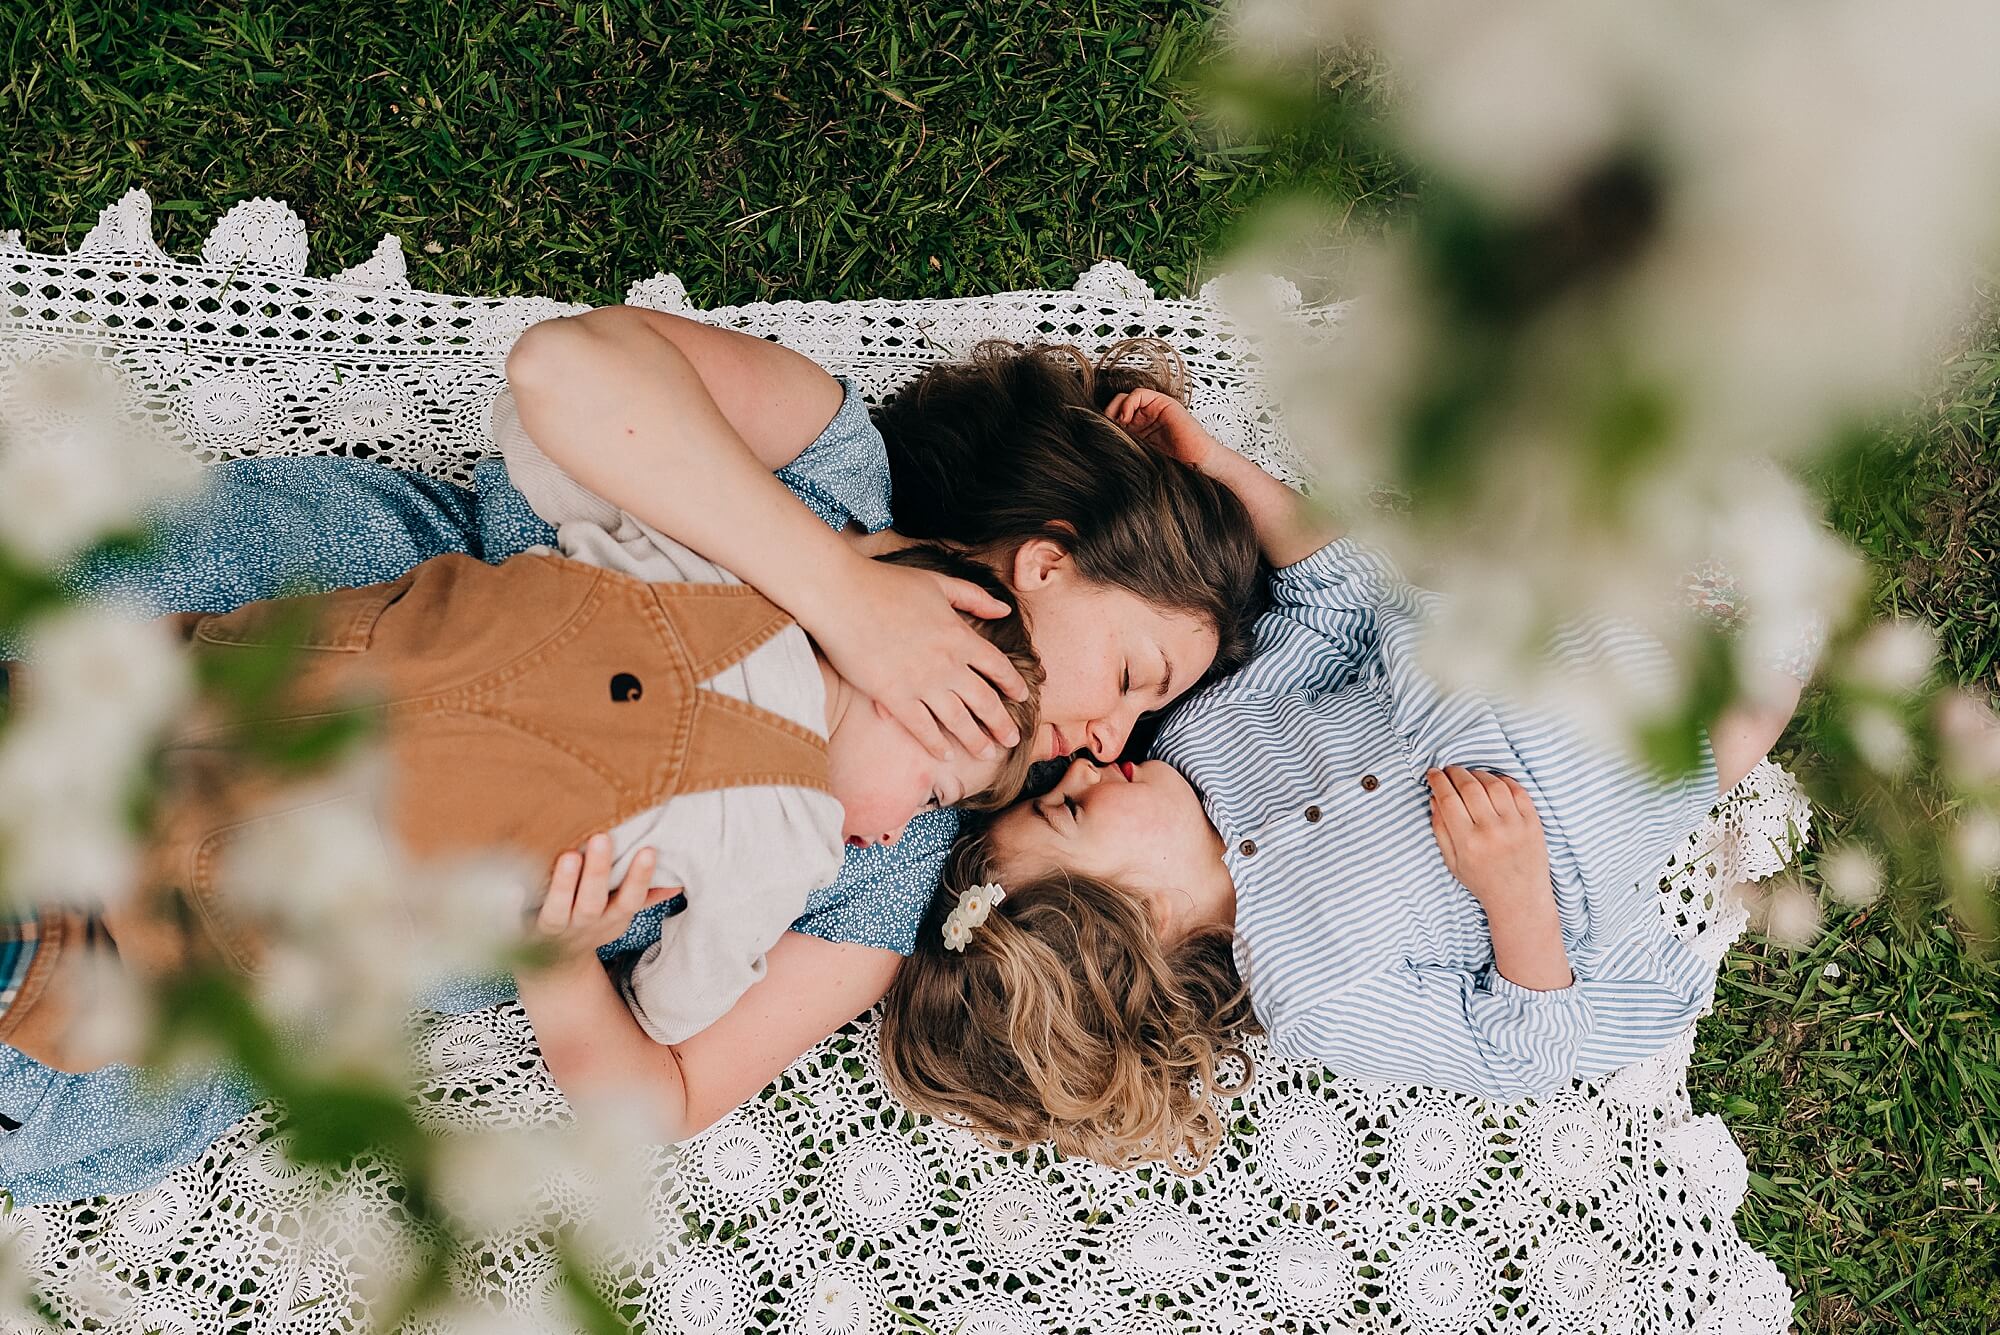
point(1418, 886)
point(1133, 571)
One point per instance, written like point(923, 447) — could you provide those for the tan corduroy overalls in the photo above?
point(522, 708)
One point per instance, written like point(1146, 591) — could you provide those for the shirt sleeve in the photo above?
point(745, 882)
point(1474, 1032)
point(843, 476)
point(1323, 620)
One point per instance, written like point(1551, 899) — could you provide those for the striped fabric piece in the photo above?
point(18, 938)
point(1360, 949)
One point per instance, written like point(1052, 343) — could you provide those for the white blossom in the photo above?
point(1794, 266)
point(77, 461)
point(1970, 733)
point(1852, 875)
point(96, 696)
point(1893, 658)
point(1790, 915)
point(1881, 739)
point(1975, 845)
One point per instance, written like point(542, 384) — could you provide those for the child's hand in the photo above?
point(579, 913)
point(896, 633)
point(1164, 422)
point(1486, 827)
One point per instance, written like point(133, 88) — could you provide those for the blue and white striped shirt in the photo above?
point(1360, 949)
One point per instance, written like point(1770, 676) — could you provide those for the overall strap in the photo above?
point(719, 625)
point(734, 744)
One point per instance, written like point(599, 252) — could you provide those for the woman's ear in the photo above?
point(1038, 562)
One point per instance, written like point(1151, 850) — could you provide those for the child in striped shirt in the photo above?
point(1403, 882)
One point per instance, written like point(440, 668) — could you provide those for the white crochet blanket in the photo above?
point(822, 1205)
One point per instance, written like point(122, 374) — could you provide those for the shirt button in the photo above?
point(1312, 815)
point(1247, 847)
point(1369, 783)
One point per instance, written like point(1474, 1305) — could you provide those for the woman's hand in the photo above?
point(896, 633)
point(580, 912)
point(1164, 422)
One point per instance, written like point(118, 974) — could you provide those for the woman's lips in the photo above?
point(1126, 768)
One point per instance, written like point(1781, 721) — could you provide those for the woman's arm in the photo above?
point(1287, 528)
point(595, 1048)
point(1745, 732)
point(617, 400)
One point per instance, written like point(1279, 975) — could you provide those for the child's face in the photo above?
point(883, 776)
point(1140, 827)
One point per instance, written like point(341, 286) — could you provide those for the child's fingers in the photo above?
point(1497, 793)
point(1472, 792)
point(1442, 833)
point(595, 885)
point(562, 876)
point(1522, 802)
point(1447, 806)
point(553, 918)
point(632, 891)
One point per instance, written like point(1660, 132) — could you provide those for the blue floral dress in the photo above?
point(268, 527)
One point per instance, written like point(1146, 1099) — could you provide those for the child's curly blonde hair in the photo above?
point(1066, 1018)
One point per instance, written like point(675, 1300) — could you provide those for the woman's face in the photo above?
point(1139, 827)
point(1109, 656)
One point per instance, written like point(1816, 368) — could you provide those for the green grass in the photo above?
point(822, 150)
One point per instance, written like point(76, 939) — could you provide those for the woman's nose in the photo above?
point(1109, 735)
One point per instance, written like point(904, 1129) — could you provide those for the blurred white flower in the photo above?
point(1893, 658)
point(78, 462)
point(1758, 260)
point(120, 1015)
point(473, 911)
point(1852, 875)
point(1831, 970)
point(1789, 915)
point(96, 696)
point(1975, 846)
point(321, 860)
point(1969, 730)
point(106, 680)
point(1881, 739)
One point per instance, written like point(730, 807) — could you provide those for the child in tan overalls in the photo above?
point(525, 707)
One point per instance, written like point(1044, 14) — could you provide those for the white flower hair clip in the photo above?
point(973, 906)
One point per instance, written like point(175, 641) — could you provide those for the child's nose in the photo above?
point(1082, 772)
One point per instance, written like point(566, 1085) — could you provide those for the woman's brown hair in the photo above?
point(1013, 445)
point(1067, 1019)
